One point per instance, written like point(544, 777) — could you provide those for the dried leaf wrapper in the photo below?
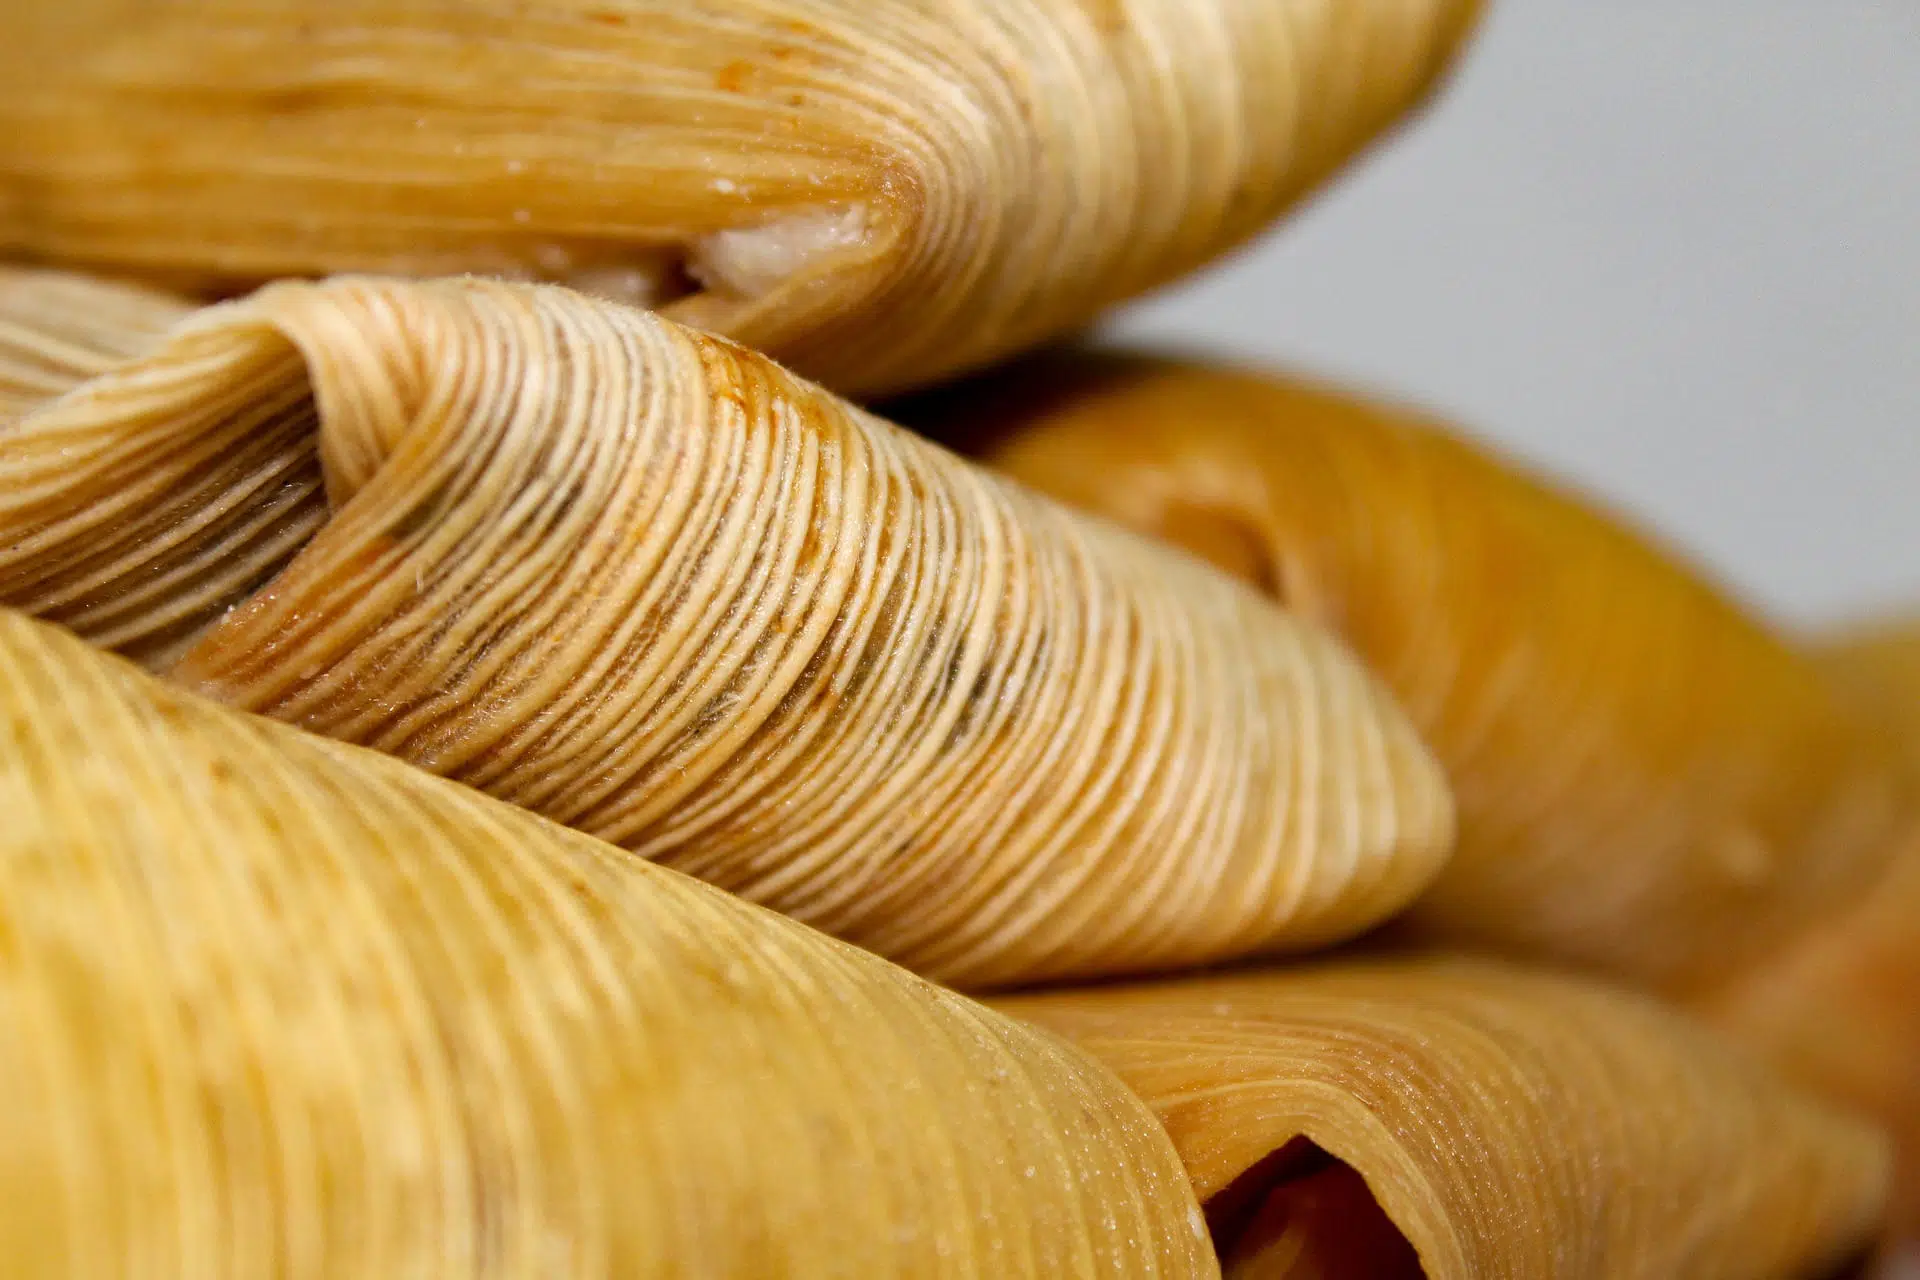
point(650, 585)
point(1485, 1122)
point(1650, 782)
point(875, 191)
point(270, 1004)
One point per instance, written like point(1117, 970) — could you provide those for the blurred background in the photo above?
point(1666, 249)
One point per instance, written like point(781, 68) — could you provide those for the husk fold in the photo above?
point(650, 585)
point(1650, 781)
point(1876, 663)
point(1841, 1010)
point(875, 191)
point(58, 329)
point(273, 1005)
point(1463, 1121)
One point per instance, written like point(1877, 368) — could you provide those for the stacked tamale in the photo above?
point(505, 770)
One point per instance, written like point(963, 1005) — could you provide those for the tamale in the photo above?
point(274, 1005)
point(1841, 1009)
point(1877, 665)
point(877, 192)
point(1459, 1120)
point(58, 329)
point(1651, 782)
point(650, 585)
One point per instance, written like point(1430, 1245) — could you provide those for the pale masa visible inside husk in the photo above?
point(877, 192)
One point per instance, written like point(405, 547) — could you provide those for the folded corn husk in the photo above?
point(1374, 1119)
point(271, 1005)
point(650, 585)
point(1650, 782)
point(57, 330)
point(1877, 665)
point(876, 191)
point(1841, 1009)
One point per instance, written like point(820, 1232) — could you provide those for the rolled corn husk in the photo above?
point(58, 329)
point(1841, 1010)
point(1877, 665)
point(875, 191)
point(1461, 1120)
point(274, 1005)
point(1650, 781)
point(650, 585)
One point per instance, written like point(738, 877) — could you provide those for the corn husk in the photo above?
point(271, 1005)
point(650, 585)
point(57, 330)
point(1374, 1119)
point(875, 191)
point(1877, 665)
point(1650, 782)
point(1841, 1010)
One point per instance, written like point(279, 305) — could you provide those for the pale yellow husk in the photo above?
point(273, 1005)
point(1505, 1124)
point(58, 329)
point(652, 586)
point(875, 191)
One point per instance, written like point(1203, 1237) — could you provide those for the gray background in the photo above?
point(1669, 249)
